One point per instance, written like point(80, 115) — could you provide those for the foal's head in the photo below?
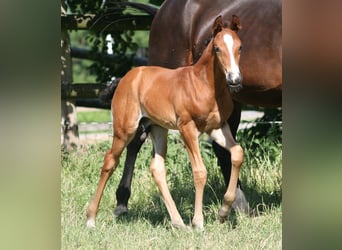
point(227, 47)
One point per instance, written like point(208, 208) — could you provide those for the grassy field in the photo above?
point(147, 225)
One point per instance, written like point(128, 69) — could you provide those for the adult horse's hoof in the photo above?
point(120, 210)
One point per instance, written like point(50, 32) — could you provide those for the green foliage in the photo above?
point(84, 6)
point(267, 126)
point(124, 42)
point(147, 225)
point(262, 145)
point(265, 167)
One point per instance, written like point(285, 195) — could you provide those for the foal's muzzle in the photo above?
point(234, 81)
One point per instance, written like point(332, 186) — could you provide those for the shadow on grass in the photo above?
point(154, 210)
point(155, 213)
point(266, 200)
point(181, 186)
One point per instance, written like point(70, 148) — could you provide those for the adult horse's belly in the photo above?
point(270, 98)
point(261, 70)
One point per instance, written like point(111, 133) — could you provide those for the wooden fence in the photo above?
point(86, 94)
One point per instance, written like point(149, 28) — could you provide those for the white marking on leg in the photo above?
point(223, 136)
point(91, 223)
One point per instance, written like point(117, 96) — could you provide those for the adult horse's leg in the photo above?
point(224, 160)
point(225, 139)
point(123, 191)
point(157, 169)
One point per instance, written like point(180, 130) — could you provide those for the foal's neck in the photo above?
point(209, 65)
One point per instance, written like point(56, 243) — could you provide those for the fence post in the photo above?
point(68, 107)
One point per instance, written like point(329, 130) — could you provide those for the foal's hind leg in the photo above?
point(111, 160)
point(123, 191)
point(157, 169)
point(225, 139)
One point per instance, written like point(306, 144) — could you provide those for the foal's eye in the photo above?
point(217, 49)
point(240, 48)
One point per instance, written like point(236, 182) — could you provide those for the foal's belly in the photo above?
point(160, 115)
point(205, 121)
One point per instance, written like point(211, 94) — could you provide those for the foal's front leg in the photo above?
point(224, 138)
point(190, 135)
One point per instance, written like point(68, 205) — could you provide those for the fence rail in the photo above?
point(111, 23)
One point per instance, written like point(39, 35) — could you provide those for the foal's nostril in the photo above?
point(233, 78)
point(234, 82)
point(238, 79)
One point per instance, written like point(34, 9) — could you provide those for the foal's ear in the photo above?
point(235, 24)
point(218, 26)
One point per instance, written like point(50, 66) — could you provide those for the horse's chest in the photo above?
point(211, 114)
point(209, 120)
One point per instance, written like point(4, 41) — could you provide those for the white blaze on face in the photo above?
point(234, 68)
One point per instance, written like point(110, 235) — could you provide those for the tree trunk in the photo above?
point(68, 107)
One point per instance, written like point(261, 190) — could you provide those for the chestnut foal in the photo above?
point(194, 100)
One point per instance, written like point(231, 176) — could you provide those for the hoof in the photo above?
point(223, 214)
point(91, 223)
point(198, 225)
point(198, 228)
point(120, 210)
point(179, 225)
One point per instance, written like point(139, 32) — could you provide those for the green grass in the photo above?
point(94, 116)
point(147, 225)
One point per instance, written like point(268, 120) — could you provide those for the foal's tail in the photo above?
point(106, 95)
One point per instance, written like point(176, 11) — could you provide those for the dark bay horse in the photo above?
point(192, 99)
point(179, 33)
